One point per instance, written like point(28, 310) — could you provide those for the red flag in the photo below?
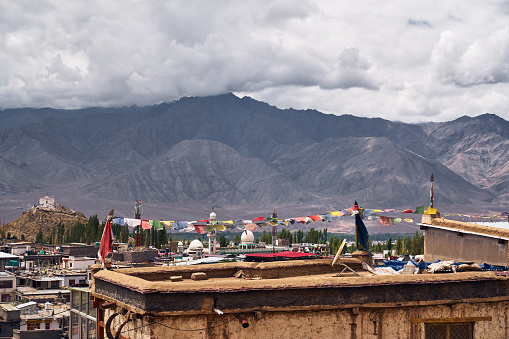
point(315, 217)
point(258, 219)
point(385, 221)
point(199, 229)
point(145, 224)
point(106, 240)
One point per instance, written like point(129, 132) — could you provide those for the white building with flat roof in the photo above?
point(47, 201)
point(7, 286)
point(77, 263)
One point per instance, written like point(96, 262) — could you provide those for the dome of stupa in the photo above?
point(247, 237)
point(195, 245)
point(212, 216)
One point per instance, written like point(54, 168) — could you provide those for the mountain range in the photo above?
point(246, 157)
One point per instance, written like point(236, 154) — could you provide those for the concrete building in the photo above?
point(77, 263)
point(52, 317)
point(9, 320)
point(138, 256)
point(70, 279)
point(464, 242)
point(7, 286)
point(42, 295)
point(44, 282)
point(79, 250)
point(83, 316)
point(8, 261)
point(16, 248)
point(41, 260)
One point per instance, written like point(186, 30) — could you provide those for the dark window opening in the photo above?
point(449, 331)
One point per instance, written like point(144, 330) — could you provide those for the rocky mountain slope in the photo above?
point(243, 155)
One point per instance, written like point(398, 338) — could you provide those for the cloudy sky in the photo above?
point(405, 60)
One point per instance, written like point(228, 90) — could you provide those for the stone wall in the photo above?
point(487, 320)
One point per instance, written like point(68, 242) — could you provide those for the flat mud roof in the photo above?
point(276, 285)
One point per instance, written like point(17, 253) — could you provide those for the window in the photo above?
point(92, 329)
point(33, 326)
point(71, 282)
point(54, 284)
point(449, 331)
point(75, 329)
point(76, 299)
point(84, 323)
point(47, 325)
point(84, 302)
point(6, 284)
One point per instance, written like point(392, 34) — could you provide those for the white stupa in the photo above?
point(247, 237)
point(247, 240)
point(195, 247)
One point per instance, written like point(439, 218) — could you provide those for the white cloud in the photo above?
point(400, 60)
point(464, 63)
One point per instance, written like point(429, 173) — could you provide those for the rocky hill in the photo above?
point(45, 219)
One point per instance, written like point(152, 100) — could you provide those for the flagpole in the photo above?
point(431, 193)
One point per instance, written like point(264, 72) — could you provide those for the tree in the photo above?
point(407, 245)
point(60, 233)
point(266, 238)
point(162, 237)
point(67, 236)
point(78, 232)
point(91, 230)
point(147, 237)
point(299, 236)
point(236, 239)
point(399, 246)
point(334, 244)
point(50, 239)
point(388, 245)
point(39, 238)
point(223, 241)
point(124, 234)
